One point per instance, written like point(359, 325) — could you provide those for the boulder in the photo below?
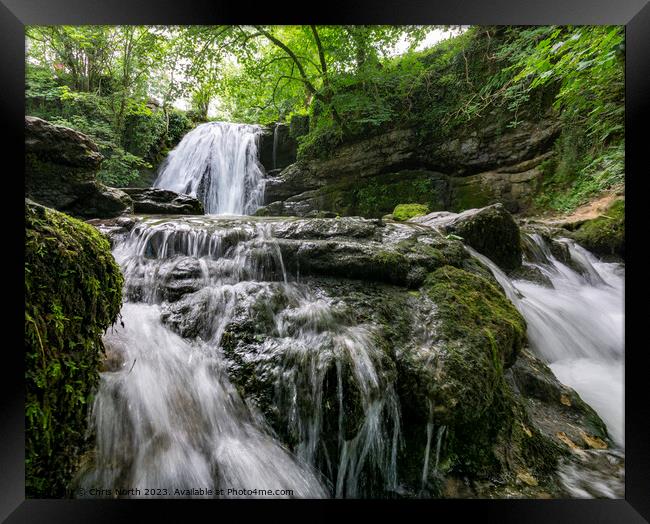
point(73, 293)
point(490, 230)
point(60, 172)
point(95, 200)
point(149, 200)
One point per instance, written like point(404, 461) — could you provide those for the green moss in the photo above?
point(480, 333)
point(605, 235)
point(73, 292)
point(406, 211)
point(473, 309)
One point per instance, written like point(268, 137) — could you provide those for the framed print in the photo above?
point(375, 254)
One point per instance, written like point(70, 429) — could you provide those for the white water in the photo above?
point(577, 325)
point(217, 162)
point(168, 417)
point(169, 420)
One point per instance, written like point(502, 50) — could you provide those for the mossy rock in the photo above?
point(491, 230)
point(477, 334)
point(73, 293)
point(405, 211)
point(605, 235)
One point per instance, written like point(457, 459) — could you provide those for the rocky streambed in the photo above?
point(383, 356)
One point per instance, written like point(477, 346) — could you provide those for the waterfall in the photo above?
point(167, 415)
point(217, 162)
point(576, 325)
point(231, 377)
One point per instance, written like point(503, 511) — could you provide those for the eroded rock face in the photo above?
point(351, 332)
point(60, 172)
point(149, 200)
point(493, 148)
point(371, 176)
point(490, 230)
point(279, 145)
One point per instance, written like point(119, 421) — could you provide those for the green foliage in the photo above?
point(97, 80)
point(585, 66)
point(574, 181)
point(406, 211)
point(73, 293)
point(588, 64)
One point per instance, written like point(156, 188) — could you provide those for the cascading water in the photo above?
point(229, 373)
point(217, 162)
point(168, 417)
point(575, 323)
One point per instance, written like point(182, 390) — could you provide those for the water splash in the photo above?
point(217, 162)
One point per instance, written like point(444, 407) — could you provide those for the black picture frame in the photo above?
point(634, 14)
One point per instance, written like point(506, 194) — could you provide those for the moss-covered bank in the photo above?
point(73, 293)
point(605, 235)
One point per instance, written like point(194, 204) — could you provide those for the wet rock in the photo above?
point(149, 200)
point(289, 208)
point(557, 410)
point(490, 230)
point(365, 249)
point(531, 273)
point(94, 199)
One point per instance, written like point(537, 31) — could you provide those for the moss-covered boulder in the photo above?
point(476, 334)
point(73, 292)
point(604, 235)
point(405, 211)
point(490, 230)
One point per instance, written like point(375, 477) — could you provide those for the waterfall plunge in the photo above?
point(218, 163)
